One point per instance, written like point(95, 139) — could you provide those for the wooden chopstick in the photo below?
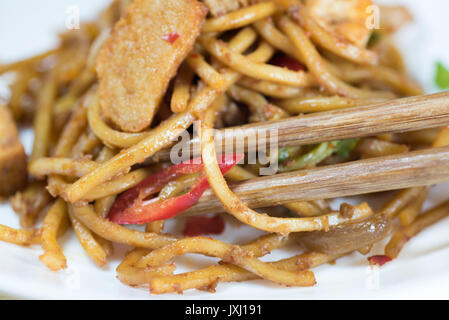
point(398, 115)
point(413, 169)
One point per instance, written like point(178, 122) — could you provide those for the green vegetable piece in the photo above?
point(313, 157)
point(442, 76)
point(344, 147)
point(319, 153)
point(283, 154)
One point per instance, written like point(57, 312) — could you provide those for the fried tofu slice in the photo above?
point(142, 55)
point(13, 165)
point(345, 18)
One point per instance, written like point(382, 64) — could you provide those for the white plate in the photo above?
point(421, 271)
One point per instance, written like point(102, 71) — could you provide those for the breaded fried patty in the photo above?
point(142, 54)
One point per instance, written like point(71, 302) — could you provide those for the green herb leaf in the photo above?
point(442, 76)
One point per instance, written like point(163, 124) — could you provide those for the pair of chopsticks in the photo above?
point(413, 169)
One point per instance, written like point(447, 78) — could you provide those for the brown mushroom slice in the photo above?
point(142, 55)
point(348, 237)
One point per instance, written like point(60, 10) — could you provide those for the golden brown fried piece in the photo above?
point(345, 18)
point(13, 172)
point(393, 18)
point(142, 54)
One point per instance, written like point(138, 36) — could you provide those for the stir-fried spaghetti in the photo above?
point(121, 89)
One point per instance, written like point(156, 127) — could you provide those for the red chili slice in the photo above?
point(131, 208)
point(379, 260)
point(285, 61)
point(196, 226)
point(171, 37)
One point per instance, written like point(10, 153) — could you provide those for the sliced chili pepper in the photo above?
point(282, 60)
point(131, 208)
point(196, 226)
point(171, 37)
point(379, 260)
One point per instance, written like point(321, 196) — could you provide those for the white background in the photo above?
point(421, 271)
